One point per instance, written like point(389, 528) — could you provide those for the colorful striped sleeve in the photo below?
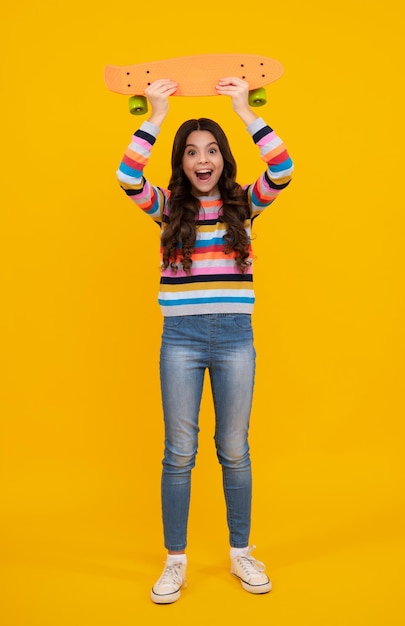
point(279, 167)
point(130, 173)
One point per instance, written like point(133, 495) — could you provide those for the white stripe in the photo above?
point(282, 174)
point(128, 180)
point(211, 234)
point(206, 293)
point(270, 145)
point(213, 263)
point(204, 308)
point(138, 149)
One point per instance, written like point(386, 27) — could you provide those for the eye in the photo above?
point(191, 152)
point(212, 150)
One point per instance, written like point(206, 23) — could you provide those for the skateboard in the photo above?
point(195, 75)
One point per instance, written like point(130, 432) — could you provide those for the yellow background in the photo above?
point(81, 433)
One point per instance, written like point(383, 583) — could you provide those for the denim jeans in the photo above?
point(223, 344)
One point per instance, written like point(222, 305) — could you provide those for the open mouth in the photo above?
point(204, 175)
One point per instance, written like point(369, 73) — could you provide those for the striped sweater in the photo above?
point(215, 284)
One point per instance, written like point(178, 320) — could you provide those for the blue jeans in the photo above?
point(223, 344)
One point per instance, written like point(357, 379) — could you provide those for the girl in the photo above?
point(206, 296)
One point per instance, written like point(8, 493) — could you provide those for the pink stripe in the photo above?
point(205, 271)
point(140, 142)
point(207, 216)
point(266, 139)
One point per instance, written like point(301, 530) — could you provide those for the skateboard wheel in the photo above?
point(257, 97)
point(138, 105)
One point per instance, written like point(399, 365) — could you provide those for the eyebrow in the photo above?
point(192, 145)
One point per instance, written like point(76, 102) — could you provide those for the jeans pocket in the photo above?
point(243, 321)
point(172, 321)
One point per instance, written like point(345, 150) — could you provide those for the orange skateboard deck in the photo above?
point(195, 75)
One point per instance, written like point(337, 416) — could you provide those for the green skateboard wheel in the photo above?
point(257, 97)
point(138, 105)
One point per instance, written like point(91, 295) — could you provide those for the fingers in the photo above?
point(232, 85)
point(238, 90)
point(158, 94)
point(163, 87)
point(232, 80)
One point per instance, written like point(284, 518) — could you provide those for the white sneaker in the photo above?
point(251, 573)
point(167, 588)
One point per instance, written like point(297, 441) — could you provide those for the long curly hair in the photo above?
point(179, 235)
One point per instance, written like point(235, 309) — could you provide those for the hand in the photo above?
point(238, 90)
point(158, 94)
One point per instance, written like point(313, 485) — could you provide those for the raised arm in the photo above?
point(272, 149)
point(238, 90)
point(130, 173)
point(158, 94)
point(279, 167)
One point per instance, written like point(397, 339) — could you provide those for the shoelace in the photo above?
point(171, 574)
point(249, 564)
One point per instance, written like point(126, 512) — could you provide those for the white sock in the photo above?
point(239, 552)
point(176, 558)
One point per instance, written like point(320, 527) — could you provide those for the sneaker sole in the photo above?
point(165, 599)
point(266, 588)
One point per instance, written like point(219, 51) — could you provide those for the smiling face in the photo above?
point(202, 163)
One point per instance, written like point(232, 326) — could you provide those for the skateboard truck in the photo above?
point(138, 105)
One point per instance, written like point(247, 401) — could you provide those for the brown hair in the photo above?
point(184, 207)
